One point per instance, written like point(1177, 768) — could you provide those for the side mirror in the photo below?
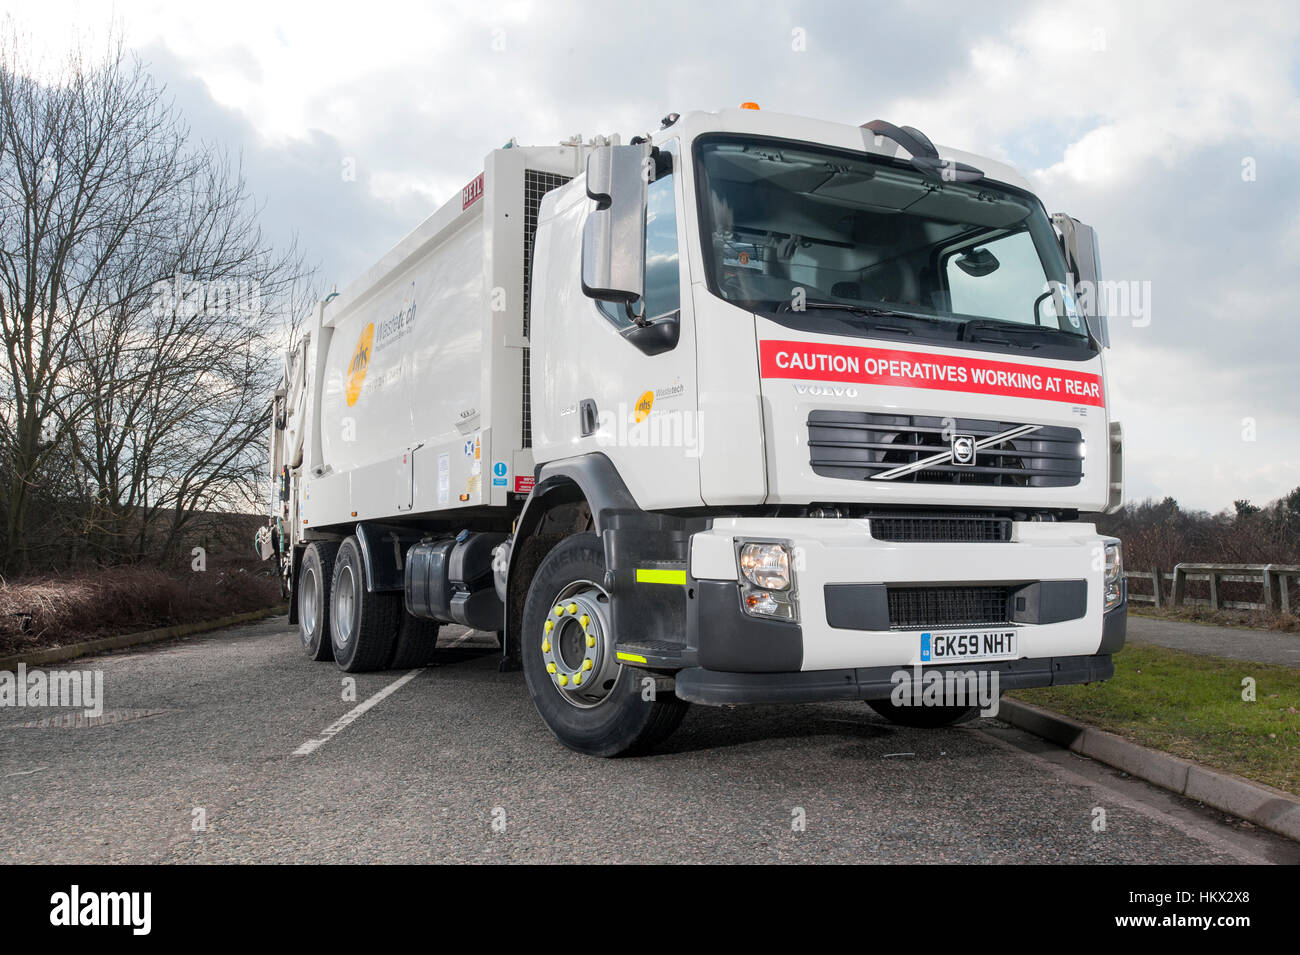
point(613, 237)
point(1083, 259)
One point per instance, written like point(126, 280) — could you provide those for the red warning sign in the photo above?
point(524, 483)
point(813, 361)
point(471, 193)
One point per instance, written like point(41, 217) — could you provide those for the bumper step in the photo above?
point(666, 654)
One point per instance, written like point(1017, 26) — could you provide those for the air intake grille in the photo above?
point(941, 528)
point(536, 185)
point(859, 445)
point(938, 608)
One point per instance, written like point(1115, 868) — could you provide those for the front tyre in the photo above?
point(363, 625)
point(921, 717)
point(591, 702)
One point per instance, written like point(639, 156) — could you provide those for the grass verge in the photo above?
point(1191, 705)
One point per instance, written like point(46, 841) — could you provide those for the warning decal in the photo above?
point(811, 361)
point(471, 193)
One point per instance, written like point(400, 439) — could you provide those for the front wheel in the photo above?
point(592, 703)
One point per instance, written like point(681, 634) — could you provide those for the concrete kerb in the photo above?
point(1256, 803)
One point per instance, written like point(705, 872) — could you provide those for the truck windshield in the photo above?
point(841, 242)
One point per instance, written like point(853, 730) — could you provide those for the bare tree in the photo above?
point(139, 303)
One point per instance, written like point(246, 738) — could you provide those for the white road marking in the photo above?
point(352, 715)
point(461, 639)
point(26, 772)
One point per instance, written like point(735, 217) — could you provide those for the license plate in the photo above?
point(960, 645)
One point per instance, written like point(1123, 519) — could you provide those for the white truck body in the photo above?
point(474, 362)
point(446, 305)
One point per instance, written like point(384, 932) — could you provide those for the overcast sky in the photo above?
point(1173, 128)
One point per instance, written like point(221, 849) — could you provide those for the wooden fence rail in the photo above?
point(1169, 588)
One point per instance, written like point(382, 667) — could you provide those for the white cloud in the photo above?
point(1133, 116)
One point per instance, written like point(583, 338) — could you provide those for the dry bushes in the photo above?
point(1162, 534)
point(73, 607)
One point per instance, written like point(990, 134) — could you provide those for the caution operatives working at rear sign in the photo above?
point(882, 366)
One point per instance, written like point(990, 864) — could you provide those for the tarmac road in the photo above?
point(212, 724)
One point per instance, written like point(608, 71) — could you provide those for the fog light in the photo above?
point(1113, 580)
point(763, 603)
point(766, 566)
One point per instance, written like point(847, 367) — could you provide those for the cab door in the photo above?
point(620, 380)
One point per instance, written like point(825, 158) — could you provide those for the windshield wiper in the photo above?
point(874, 311)
point(1014, 328)
point(871, 311)
point(1014, 333)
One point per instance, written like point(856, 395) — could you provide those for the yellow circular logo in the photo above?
point(360, 362)
point(643, 406)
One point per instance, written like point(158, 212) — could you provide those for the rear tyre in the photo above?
point(591, 702)
point(921, 717)
point(416, 644)
point(314, 577)
point(363, 625)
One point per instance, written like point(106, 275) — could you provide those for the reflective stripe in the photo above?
point(650, 576)
point(630, 657)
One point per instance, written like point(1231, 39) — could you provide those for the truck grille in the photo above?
point(858, 445)
point(536, 185)
point(938, 608)
point(941, 528)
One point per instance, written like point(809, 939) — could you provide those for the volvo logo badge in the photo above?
point(963, 449)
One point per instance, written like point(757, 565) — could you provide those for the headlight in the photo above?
point(1113, 581)
point(766, 566)
point(767, 580)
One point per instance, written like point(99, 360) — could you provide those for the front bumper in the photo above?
point(714, 688)
point(844, 647)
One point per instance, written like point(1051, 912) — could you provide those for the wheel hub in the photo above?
point(344, 598)
point(308, 603)
point(578, 644)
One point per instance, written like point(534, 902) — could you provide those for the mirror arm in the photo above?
point(637, 318)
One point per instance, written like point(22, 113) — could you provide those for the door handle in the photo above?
point(590, 418)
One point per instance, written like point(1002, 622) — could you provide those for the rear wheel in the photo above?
point(363, 625)
point(591, 702)
point(416, 644)
point(922, 717)
point(314, 579)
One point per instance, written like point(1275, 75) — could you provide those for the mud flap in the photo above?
point(649, 581)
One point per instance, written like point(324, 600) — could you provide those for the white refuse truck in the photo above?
point(753, 409)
